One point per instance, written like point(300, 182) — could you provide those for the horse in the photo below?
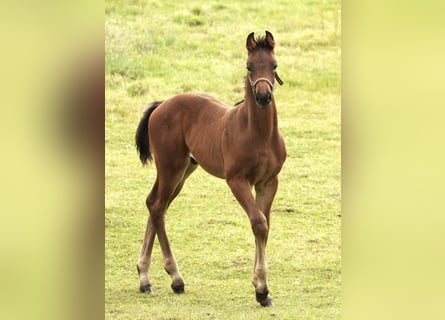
point(241, 144)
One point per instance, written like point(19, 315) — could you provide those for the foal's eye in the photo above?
point(274, 66)
point(249, 67)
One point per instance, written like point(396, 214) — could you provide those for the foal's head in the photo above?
point(261, 66)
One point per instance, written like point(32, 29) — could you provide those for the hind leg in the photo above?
point(168, 185)
point(170, 264)
point(144, 260)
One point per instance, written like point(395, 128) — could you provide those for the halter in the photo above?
point(254, 83)
point(272, 86)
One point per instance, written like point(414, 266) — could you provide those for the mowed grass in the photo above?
point(158, 49)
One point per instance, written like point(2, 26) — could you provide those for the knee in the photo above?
point(259, 225)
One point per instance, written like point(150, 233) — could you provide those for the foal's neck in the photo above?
point(261, 121)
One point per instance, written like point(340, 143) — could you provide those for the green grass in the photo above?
point(156, 49)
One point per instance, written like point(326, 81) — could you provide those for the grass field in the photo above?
point(156, 49)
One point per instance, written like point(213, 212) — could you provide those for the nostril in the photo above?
point(264, 99)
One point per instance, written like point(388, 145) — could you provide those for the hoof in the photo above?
point(264, 299)
point(178, 289)
point(146, 288)
point(268, 303)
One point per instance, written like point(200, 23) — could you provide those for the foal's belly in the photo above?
point(208, 158)
point(214, 171)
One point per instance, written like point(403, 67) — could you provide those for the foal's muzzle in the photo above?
point(263, 97)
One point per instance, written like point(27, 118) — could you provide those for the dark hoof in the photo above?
point(147, 288)
point(178, 289)
point(264, 299)
point(268, 303)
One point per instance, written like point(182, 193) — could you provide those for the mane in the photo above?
point(261, 43)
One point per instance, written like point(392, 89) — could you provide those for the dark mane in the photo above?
point(239, 102)
point(261, 43)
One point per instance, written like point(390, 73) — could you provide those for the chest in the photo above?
point(254, 160)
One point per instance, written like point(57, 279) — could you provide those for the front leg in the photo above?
point(264, 195)
point(242, 191)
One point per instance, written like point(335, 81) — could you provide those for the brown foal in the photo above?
point(240, 144)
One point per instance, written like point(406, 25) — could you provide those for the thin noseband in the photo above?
point(254, 83)
point(272, 86)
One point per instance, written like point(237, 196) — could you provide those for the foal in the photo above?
point(240, 144)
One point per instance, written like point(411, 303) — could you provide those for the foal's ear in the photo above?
point(250, 42)
point(269, 39)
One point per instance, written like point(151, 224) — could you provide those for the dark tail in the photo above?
point(142, 142)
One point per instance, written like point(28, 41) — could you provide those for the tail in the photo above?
point(142, 142)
